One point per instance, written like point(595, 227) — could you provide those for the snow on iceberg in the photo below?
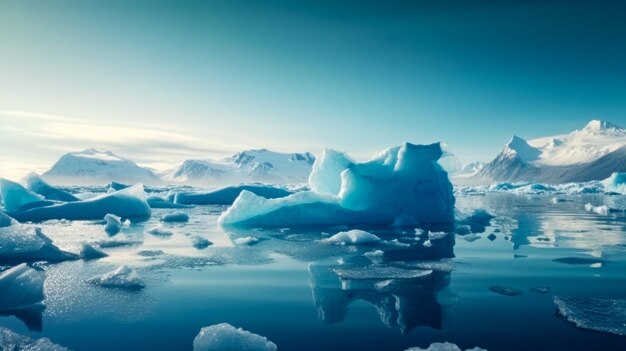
point(129, 202)
point(223, 336)
point(21, 287)
point(402, 186)
point(175, 217)
point(227, 195)
point(16, 198)
point(37, 185)
point(603, 315)
point(123, 278)
point(9, 340)
point(22, 243)
point(352, 237)
point(615, 183)
point(446, 346)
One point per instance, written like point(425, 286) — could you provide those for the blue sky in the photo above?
point(161, 81)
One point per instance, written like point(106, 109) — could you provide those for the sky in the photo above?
point(163, 81)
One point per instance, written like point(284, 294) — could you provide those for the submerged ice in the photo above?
point(603, 315)
point(402, 186)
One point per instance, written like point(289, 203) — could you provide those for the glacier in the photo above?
point(129, 202)
point(223, 336)
point(402, 186)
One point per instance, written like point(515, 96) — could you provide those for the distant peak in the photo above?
point(523, 149)
point(597, 125)
point(516, 141)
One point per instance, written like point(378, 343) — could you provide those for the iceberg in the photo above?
point(352, 237)
point(113, 224)
point(402, 186)
point(445, 346)
point(603, 315)
point(129, 202)
point(90, 252)
point(21, 287)
point(123, 278)
point(17, 198)
point(175, 217)
point(615, 183)
point(5, 220)
point(223, 336)
point(227, 195)
point(9, 340)
point(23, 243)
point(37, 185)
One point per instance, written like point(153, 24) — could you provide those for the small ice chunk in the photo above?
point(504, 290)
point(601, 210)
point(603, 315)
point(376, 255)
point(556, 200)
point(540, 289)
point(352, 237)
point(175, 217)
point(160, 231)
point(246, 240)
point(427, 243)
point(380, 272)
point(223, 336)
point(124, 278)
point(200, 243)
point(90, 252)
point(113, 224)
point(436, 235)
point(9, 340)
point(20, 287)
point(446, 346)
point(150, 253)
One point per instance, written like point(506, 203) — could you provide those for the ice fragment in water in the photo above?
point(223, 336)
point(124, 278)
point(352, 237)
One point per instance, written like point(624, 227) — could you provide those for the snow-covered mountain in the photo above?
point(590, 153)
point(96, 167)
point(247, 166)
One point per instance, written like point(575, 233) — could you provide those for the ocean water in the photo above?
point(303, 294)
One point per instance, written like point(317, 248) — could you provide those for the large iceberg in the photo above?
point(402, 186)
point(129, 202)
point(37, 185)
point(21, 287)
point(17, 198)
point(615, 183)
point(223, 336)
point(227, 195)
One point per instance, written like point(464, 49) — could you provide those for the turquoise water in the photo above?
point(288, 286)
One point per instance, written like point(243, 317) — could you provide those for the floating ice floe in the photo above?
point(603, 315)
point(223, 336)
point(37, 185)
point(11, 341)
point(25, 243)
point(601, 210)
point(123, 278)
point(21, 287)
point(160, 231)
point(129, 202)
point(246, 240)
point(199, 242)
point(90, 252)
point(113, 224)
point(352, 237)
point(175, 217)
point(227, 195)
point(402, 186)
point(445, 346)
point(615, 183)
